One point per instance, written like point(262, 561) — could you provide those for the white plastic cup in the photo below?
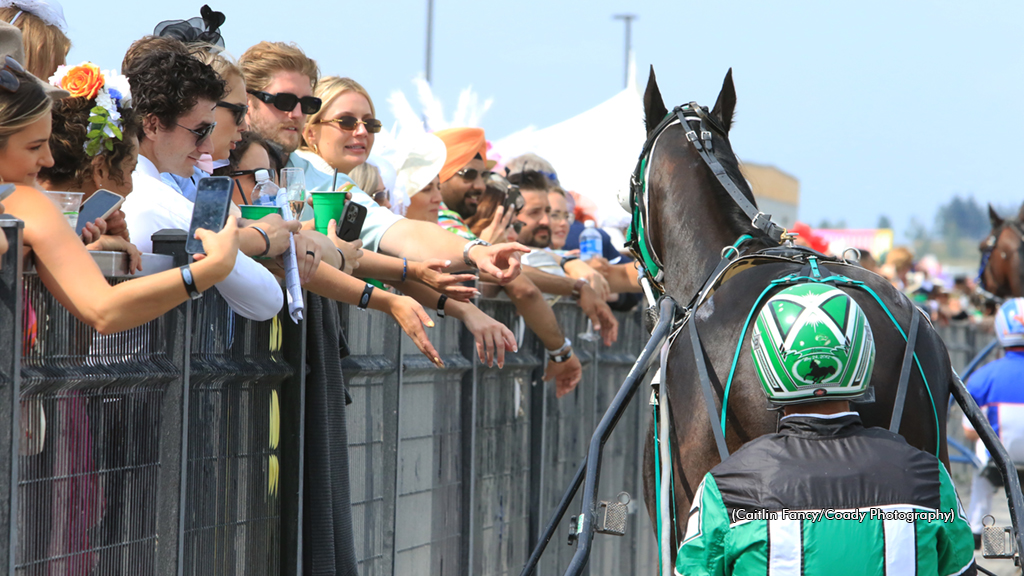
point(69, 203)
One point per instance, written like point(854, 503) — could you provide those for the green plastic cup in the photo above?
point(327, 206)
point(257, 212)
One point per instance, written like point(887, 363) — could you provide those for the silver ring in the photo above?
point(856, 251)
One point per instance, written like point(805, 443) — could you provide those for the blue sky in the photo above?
point(877, 107)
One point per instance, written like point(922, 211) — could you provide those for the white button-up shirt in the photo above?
point(250, 289)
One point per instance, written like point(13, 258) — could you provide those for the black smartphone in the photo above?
point(100, 205)
point(213, 199)
point(351, 223)
point(513, 200)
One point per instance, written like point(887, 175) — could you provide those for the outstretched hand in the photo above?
point(565, 374)
point(412, 318)
point(499, 260)
point(431, 273)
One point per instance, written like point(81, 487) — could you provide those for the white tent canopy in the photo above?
point(593, 153)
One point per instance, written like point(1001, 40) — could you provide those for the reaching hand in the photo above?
point(432, 274)
point(500, 260)
point(600, 315)
point(492, 337)
point(579, 269)
point(352, 250)
point(278, 231)
point(565, 374)
point(412, 318)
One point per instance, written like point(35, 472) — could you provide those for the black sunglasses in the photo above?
point(239, 110)
point(518, 226)
point(285, 101)
point(350, 123)
point(470, 174)
point(201, 134)
point(9, 81)
point(237, 173)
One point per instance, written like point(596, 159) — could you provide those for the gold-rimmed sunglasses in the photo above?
point(350, 123)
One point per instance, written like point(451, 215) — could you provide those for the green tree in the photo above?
point(884, 222)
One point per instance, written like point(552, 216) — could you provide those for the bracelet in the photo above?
point(342, 254)
point(266, 239)
point(440, 305)
point(566, 344)
point(364, 300)
point(405, 268)
point(577, 288)
point(190, 283)
point(469, 246)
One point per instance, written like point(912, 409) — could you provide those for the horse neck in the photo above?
point(696, 230)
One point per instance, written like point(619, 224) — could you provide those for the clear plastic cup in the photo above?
point(69, 203)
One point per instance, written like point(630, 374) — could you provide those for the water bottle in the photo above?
point(265, 191)
point(590, 241)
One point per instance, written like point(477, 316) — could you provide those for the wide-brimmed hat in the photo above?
point(11, 45)
point(425, 158)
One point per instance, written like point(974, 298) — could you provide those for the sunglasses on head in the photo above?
point(239, 110)
point(9, 81)
point(350, 123)
point(286, 101)
point(471, 174)
point(202, 134)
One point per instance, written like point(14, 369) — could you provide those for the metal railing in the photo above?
point(177, 447)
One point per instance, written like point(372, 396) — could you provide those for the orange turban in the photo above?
point(463, 144)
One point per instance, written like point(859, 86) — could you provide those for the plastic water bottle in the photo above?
point(265, 191)
point(590, 241)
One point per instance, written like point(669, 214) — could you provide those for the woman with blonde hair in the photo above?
point(340, 135)
point(43, 30)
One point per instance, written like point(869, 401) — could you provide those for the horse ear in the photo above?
point(726, 103)
point(654, 106)
point(994, 217)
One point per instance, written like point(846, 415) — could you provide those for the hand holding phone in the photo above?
point(351, 223)
point(100, 205)
point(513, 200)
point(213, 199)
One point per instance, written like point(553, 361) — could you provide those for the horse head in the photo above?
point(1002, 256)
point(692, 215)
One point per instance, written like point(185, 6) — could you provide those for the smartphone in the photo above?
point(100, 205)
point(6, 190)
point(351, 223)
point(213, 199)
point(513, 200)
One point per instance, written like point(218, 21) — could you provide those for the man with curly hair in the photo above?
point(175, 96)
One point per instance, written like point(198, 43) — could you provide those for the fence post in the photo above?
point(10, 378)
point(174, 419)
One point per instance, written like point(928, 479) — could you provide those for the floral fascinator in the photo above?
point(111, 93)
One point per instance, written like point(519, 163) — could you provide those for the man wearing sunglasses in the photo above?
point(174, 132)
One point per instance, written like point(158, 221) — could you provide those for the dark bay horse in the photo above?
point(1002, 256)
point(692, 218)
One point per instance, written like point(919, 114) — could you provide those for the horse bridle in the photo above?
point(638, 240)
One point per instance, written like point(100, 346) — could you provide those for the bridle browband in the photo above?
point(637, 240)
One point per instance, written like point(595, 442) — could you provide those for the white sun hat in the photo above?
point(426, 154)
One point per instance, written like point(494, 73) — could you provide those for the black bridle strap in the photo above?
point(901, 389)
point(758, 219)
point(705, 386)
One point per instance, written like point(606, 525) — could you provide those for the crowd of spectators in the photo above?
point(439, 229)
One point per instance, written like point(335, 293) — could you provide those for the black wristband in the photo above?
point(266, 239)
point(190, 283)
point(440, 305)
point(342, 254)
point(364, 300)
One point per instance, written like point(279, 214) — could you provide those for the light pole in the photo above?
point(430, 34)
point(628, 19)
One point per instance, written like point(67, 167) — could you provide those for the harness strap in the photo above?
point(901, 390)
point(758, 219)
point(705, 386)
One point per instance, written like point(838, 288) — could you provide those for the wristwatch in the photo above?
point(190, 283)
point(469, 246)
point(562, 354)
point(567, 258)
